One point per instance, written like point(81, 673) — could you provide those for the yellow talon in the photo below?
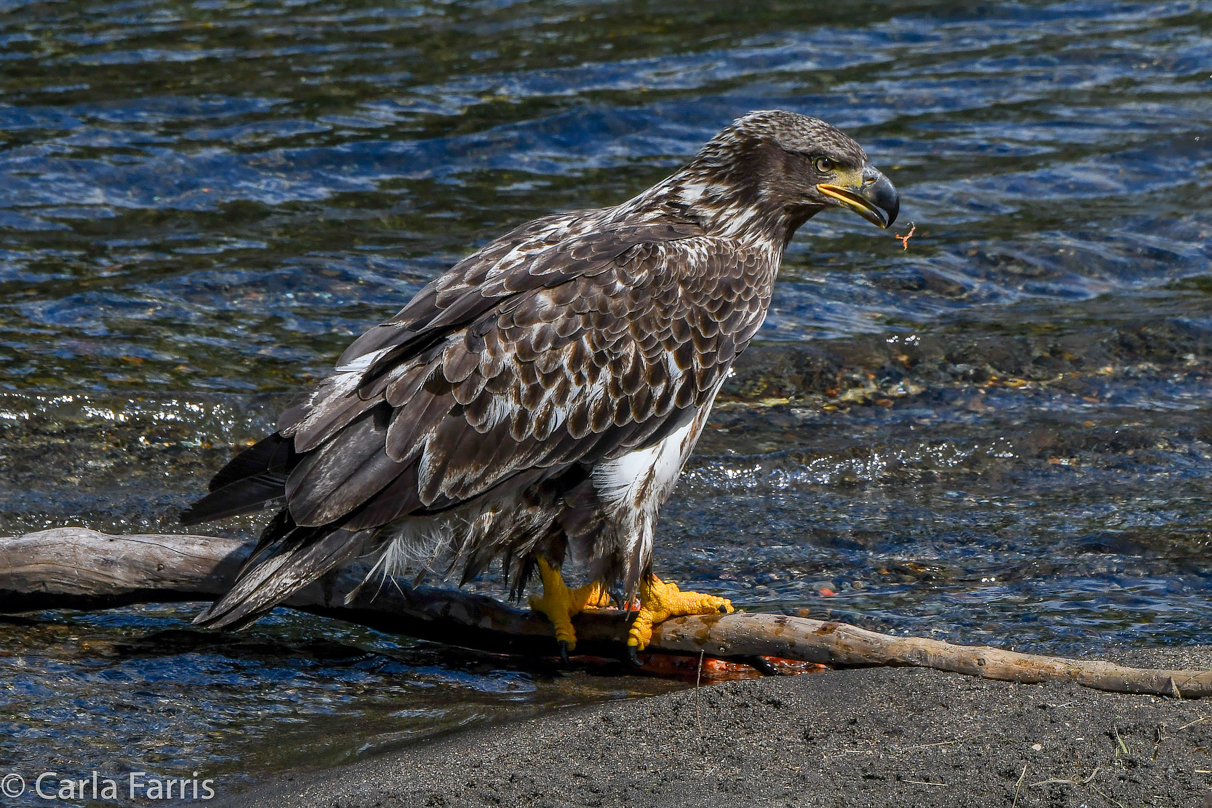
point(561, 604)
point(660, 601)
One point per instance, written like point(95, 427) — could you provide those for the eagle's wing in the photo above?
point(546, 349)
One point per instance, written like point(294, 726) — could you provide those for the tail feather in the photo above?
point(255, 476)
point(288, 556)
point(278, 568)
point(272, 453)
point(242, 496)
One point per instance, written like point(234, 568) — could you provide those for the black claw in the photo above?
point(763, 665)
point(633, 657)
point(723, 609)
point(564, 653)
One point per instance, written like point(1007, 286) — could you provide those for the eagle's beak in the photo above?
point(873, 197)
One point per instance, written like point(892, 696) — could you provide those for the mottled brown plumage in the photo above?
point(542, 396)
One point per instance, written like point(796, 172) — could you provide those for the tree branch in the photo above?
point(83, 569)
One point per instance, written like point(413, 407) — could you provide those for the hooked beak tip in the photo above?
point(876, 200)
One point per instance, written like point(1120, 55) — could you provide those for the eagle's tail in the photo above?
point(255, 476)
point(287, 558)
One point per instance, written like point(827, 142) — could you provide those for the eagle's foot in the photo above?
point(561, 604)
point(660, 601)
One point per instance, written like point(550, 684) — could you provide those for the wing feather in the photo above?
point(334, 480)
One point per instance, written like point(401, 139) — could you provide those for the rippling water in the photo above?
point(1000, 433)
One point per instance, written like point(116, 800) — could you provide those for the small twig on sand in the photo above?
point(1054, 781)
point(698, 712)
point(1114, 802)
point(1122, 746)
point(1018, 786)
point(926, 746)
point(905, 238)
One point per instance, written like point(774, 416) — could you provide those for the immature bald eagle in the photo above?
point(540, 399)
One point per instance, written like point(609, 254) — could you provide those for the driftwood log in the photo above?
point(82, 569)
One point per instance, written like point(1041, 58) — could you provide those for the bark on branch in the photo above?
point(83, 569)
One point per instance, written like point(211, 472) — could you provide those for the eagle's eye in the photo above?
point(823, 164)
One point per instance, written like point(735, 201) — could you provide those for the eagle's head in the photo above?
point(785, 168)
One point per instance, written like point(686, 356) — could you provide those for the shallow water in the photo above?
point(999, 434)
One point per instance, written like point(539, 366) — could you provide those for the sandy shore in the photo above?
point(872, 737)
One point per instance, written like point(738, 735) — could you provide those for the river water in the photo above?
point(997, 432)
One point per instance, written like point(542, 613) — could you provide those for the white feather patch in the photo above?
point(618, 481)
point(362, 363)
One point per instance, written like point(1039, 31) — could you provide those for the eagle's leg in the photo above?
point(660, 601)
point(561, 604)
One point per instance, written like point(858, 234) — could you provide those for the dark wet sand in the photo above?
point(872, 737)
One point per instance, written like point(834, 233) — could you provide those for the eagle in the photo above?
point(537, 402)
